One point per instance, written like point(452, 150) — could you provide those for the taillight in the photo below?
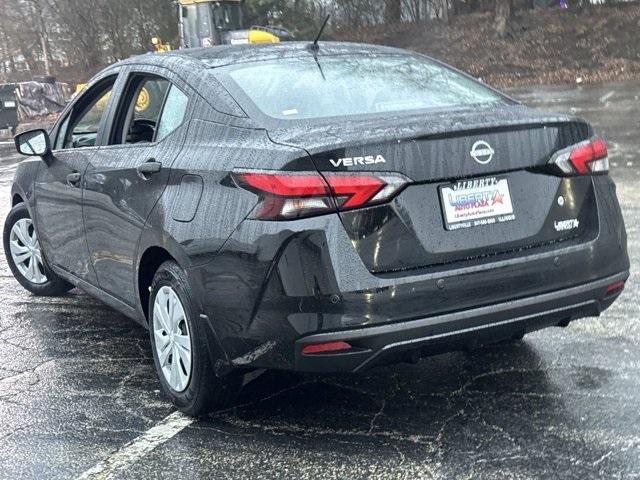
point(289, 195)
point(584, 158)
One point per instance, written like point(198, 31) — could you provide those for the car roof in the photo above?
point(221, 55)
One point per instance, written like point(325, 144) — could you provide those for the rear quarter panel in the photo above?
point(215, 205)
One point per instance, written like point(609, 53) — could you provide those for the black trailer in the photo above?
point(8, 107)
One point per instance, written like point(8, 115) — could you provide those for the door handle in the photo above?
point(149, 167)
point(73, 178)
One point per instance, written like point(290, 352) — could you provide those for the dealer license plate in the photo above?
point(474, 202)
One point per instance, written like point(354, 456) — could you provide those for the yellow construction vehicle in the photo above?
point(159, 46)
point(205, 23)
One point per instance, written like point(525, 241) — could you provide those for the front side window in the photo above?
point(80, 128)
point(303, 88)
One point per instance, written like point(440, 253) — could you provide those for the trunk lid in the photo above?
point(425, 225)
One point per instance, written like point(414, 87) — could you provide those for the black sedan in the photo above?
point(313, 209)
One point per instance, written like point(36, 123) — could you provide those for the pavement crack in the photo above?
point(312, 431)
point(14, 431)
point(397, 449)
point(375, 417)
point(445, 423)
point(261, 400)
point(503, 432)
point(602, 458)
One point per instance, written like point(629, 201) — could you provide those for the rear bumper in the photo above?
point(460, 330)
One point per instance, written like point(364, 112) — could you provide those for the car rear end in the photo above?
point(416, 233)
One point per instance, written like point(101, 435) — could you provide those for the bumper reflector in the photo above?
point(326, 347)
point(614, 288)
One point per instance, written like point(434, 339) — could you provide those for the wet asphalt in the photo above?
point(77, 384)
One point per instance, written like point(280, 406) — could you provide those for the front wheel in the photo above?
point(24, 255)
point(180, 352)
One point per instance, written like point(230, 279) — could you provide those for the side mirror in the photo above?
point(35, 143)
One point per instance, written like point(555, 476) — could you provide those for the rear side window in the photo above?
point(303, 88)
point(140, 109)
point(175, 108)
point(151, 108)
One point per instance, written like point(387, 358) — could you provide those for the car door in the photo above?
point(126, 177)
point(58, 184)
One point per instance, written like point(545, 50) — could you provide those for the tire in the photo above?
point(41, 281)
point(195, 389)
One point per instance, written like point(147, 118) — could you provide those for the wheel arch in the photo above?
point(16, 198)
point(18, 195)
point(153, 251)
point(148, 265)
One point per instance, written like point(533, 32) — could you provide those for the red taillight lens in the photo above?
point(327, 347)
point(287, 195)
point(284, 185)
point(294, 195)
point(585, 158)
point(356, 190)
point(614, 288)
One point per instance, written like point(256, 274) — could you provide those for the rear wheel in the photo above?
point(25, 258)
point(180, 352)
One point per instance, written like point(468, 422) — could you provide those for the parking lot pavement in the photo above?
point(79, 396)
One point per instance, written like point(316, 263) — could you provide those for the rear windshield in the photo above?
point(301, 88)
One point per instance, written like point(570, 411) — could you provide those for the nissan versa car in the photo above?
point(313, 209)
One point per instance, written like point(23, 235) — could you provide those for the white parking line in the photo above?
point(139, 447)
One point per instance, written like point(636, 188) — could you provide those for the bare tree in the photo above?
point(6, 53)
point(443, 10)
point(35, 10)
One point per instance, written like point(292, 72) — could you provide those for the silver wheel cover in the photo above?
point(25, 251)
point(172, 338)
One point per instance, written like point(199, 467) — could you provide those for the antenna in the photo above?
point(314, 46)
